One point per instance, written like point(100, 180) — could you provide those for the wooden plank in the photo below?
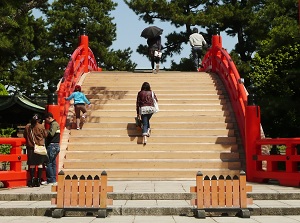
point(206, 197)
point(81, 195)
point(214, 192)
point(236, 192)
point(89, 192)
point(67, 191)
point(228, 192)
point(74, 192)
point(96, 192)
point(221, 191)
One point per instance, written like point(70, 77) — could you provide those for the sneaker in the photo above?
point(78, 128)
point(53, 184)
point(157, 68)
point(154, 71)
point(149, 132)
point(44, 183)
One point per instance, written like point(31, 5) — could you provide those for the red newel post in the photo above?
point(252, 134)
point(53, 107)
point(84, 41)
point(216, 43)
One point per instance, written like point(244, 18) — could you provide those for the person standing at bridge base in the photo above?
point(197, 42)
point(53, 148)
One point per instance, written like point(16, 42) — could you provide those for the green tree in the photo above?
point(19, 43)
point(277, 68)
point(66, 21)
point(276, 77)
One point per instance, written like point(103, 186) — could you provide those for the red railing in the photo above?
point(217, 60)
point(16, 175)
point(82, 61)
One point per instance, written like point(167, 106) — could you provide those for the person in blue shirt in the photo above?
point(79, 103)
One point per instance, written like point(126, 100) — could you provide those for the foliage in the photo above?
point(69, 19)
point(3, 91)
point(19, 42)
point(5, 149)
point(35, 51)
point(277, 77)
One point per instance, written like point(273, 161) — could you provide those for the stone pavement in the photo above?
point(271, 203)
point(152, 219)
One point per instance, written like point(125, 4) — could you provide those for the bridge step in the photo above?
point(195, 128)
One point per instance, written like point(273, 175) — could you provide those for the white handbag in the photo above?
point(155, 103)
point(157, 54)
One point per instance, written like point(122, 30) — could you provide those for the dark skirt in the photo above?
point(35, 159)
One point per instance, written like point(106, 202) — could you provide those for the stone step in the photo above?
point(154, 139)
point(154, 208)
point(121, 146)
point(164, 101)
point(155, 131)
point(144, 164)
point(85, 155)
point(132, 96)
point(189, 107)
point(164, 111)
point(151, 174)
point(158, 125)
point(168, 118)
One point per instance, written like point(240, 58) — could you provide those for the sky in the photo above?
point(129, 29)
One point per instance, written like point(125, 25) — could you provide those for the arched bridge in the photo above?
point(207, 123)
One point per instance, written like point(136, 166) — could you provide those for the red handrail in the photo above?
point(81, 61)
point(217, 60)
point(15, 176)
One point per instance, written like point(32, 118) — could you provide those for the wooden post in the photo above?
point(60, 189)
point(243, 195)
point(103, 192)
point(199, 188)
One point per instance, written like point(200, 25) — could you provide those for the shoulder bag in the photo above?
point(41, 150)
point(155, 103)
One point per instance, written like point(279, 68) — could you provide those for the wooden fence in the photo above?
point(81, 194)
point(221, 195)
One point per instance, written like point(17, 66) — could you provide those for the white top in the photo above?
point(196, 39)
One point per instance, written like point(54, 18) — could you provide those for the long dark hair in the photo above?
point(146, 87)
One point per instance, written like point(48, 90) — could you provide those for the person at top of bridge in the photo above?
point(154, 47)
point(80, 101)
point(197, 42)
